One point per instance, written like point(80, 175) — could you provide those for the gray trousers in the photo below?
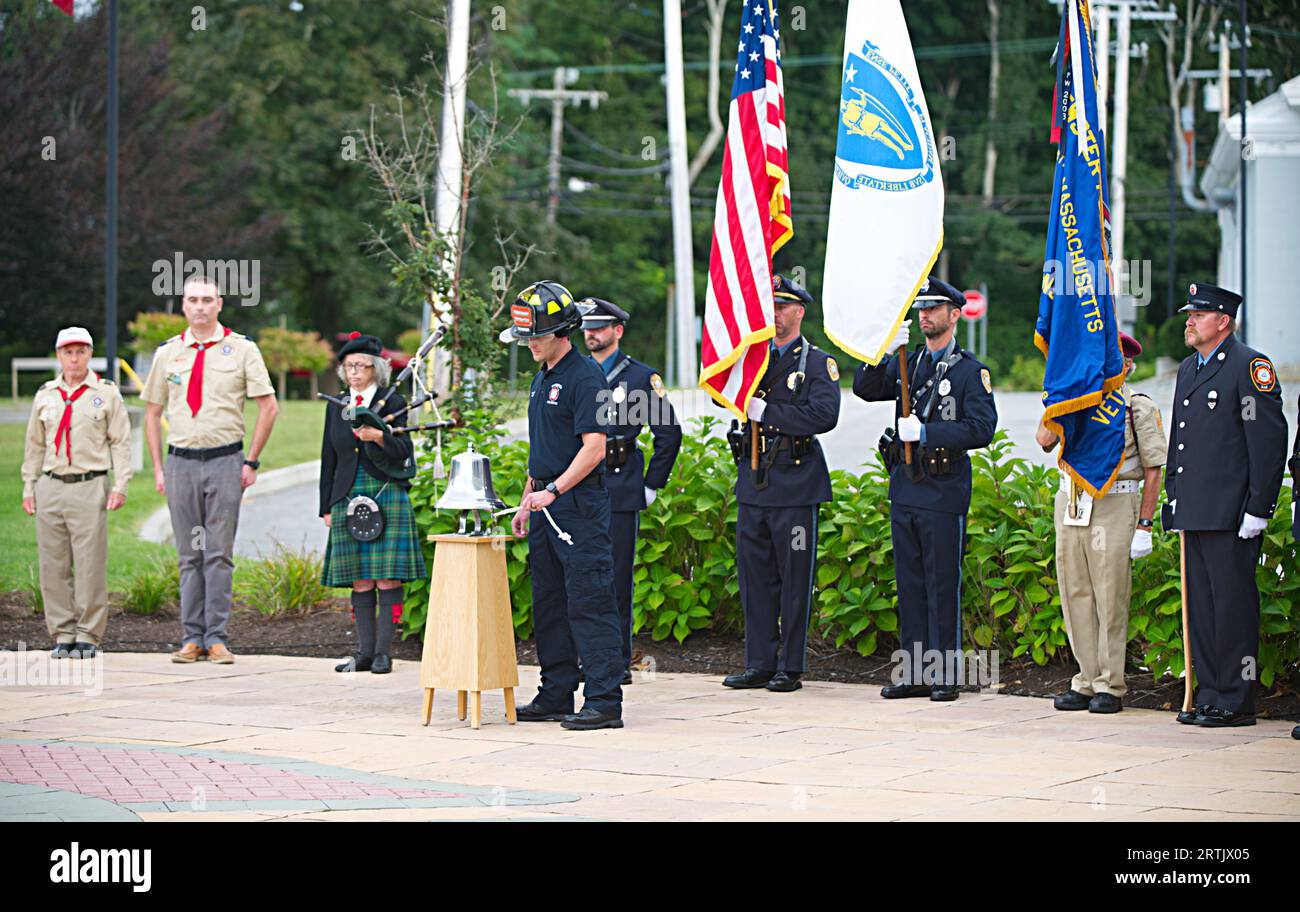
point(203, 498)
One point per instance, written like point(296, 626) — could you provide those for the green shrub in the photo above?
point(686, 578)
point(286, 583)
point(152, 328)
point(155, 585)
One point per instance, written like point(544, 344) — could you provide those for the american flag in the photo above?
point(751, 219)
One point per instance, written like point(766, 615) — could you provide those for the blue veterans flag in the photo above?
point(1077, 329)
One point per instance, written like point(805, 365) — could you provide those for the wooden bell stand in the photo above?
point(469, 637)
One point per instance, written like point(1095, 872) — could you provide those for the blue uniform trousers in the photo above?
point(928, 547)
point(574, 607)
point(776, 556)
point(623, 528)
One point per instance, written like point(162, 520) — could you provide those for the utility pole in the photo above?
point(558, 96)
point(683, 267)
point(447, 185)
point(1119, 163)
point(110, 242)
point(1101, 14)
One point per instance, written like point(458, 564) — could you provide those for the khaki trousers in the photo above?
point(1095, 575)
point(72, 540)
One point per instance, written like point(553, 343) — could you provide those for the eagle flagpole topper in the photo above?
point(886, 216)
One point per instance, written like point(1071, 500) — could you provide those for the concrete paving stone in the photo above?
point(1031, 809)
point(1187, 772)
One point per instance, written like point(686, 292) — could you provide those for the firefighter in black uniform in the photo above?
point(1227, 449)
point(776, 524)
point(636, 398)
point(952, 412)
point(574, 609)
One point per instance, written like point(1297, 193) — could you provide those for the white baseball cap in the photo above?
point(73, 335)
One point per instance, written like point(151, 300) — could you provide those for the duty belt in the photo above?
point(204, 455)
point(73, 479)
point(594, 478)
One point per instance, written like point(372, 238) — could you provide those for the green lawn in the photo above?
point(296, 438)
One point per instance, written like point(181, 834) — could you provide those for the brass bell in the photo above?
point(470, 489)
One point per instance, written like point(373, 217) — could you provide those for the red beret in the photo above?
point(1130, 346)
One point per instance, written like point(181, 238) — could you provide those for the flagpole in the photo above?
point(907, 399)
point(110, 245)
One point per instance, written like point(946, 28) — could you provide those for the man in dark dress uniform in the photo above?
point(776, 525)
point(636, 398)
point(952, 412)
point(575, 612)
point(1227, 449)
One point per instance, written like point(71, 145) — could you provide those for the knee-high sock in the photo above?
point(390, 606)
point(363, 609)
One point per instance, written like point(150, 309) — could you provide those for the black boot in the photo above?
point(784, 682)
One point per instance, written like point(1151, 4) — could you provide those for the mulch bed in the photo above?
point(328, 632)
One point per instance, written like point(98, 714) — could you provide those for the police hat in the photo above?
point(1211, 297)
point(935, 292)
point(598, 313)
point(541, 309)
point(365, 345)
point(784, 289)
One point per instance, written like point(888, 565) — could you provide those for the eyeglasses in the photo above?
point(357, 368)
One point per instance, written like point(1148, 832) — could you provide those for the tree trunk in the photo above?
point(995, 73)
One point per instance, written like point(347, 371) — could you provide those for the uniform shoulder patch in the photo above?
point(832, 369)
point(986, 379)
point(657, 384)
point(1263, 375)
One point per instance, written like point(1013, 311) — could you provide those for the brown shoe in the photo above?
point(219, 654)
point(190, 652)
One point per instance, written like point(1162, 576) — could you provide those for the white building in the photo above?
point(1270, 316)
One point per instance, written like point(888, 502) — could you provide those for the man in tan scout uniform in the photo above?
point(202, 379)
point(1095, 545)
point(77, 433)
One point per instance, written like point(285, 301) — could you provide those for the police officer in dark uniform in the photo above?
point(952, 412)
point(565, 514)
point(636, 398)
point(776, 525)
point(1227, 449)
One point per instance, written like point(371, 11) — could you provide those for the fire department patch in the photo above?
point(1263, 375)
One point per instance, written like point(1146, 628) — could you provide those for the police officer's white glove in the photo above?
point(650, 495)
point(756, 408)
point(909, 429)
point(1251, 526)
point(902, 337)
point(1141, 545)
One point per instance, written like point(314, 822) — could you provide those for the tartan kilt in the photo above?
point(395, 555)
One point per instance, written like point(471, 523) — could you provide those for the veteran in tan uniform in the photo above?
point(78, 433)
point(1096, 542)
point(201, 380)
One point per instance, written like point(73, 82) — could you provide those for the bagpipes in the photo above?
point(368, 416)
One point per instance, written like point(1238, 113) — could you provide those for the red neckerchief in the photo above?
point(194, 394)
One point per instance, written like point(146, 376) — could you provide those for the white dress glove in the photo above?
point(909, 429)
point(901, 338)
point(1251, 526)
point(1141, 545)
point(756, 408)
point(650, 495)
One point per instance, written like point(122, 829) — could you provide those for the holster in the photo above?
point(938, 461)
point(617, 452)
point(736, 439)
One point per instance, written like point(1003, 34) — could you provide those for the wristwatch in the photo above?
point(253, 464)
point(1146, 524)
point(553, 489)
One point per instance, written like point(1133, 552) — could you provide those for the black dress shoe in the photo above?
point(1222, 718)
point(589, 719)
point(1295, 733)
point(61, 651)
point(784, 682)
point(944, 693)
point(1071, 701)
point(899, 691)
point(1188, 716)
point(82, 650)
point(1105, 703)
point(752, 678)
point(355, 663)
point(531, 712)
point(382, 665)
point(627, 678)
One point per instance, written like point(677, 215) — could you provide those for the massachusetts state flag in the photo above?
point(751, 219)
point(1077, 329)
point(886, 218)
